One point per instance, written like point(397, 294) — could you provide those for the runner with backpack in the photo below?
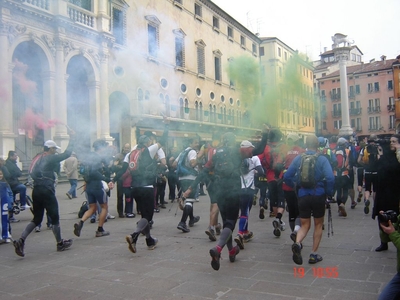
point(341, 173)
point(368, 158)
point(311, 174)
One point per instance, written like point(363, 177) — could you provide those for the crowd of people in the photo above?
point(302, 177)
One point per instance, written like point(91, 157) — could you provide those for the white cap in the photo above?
point(246, 144)
point(51, 144)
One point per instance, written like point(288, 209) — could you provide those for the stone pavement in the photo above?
point(179, 268)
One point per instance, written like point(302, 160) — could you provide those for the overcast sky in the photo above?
point(307, 25)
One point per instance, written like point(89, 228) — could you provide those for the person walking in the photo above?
point(70, 168)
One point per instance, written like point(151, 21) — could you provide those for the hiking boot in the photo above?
point(382, 247)
point(366, 207)
point(342, 211)
point(194, 220)
point(296, 249)
point(232, 253)
point(77, 229)
point(239, 241)
point(131, 240)
point(353, 205)
point(151, 243)
point(247, 237)
point(314, 258)
point(215, 257)
point(19, 247)
point(293, 236)
point(218, 229)
point(102, 233)
point(65, 244)
point(261, 215)
point(211, 234)
point(359, 196)
point(277, 227)
point(182, 226)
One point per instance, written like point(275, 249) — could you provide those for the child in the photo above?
point(6, 196)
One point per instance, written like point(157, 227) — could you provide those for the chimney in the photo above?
point(325, 49)
point(383, 57)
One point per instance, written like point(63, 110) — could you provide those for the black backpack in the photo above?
point(224, 165)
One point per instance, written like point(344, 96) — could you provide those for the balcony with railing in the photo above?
point(337, 113)
point(81, 15)
point(374, 109)
point(335, 97)
point(43, 4)
point(358, 129)
point(352, 95)
point(355, 111)
point(323, 98)
point(391, 107)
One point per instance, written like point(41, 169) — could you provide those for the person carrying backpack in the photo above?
point(225, 166)
point(273, 160)
point(314, 183)
point(368, 158)
point(186, 168)
point(342, 177)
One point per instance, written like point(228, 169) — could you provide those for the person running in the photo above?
point(96, 192)
point(250, 166)
point(44, 194)
point(311, 199)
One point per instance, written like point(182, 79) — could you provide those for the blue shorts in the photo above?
point(96, 196)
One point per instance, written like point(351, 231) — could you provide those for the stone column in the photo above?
point(343, 54)
point(7, 135)
point(59, 101)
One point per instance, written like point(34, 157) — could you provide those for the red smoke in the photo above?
point(31, 122)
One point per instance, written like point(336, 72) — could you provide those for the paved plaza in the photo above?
point(179, 268)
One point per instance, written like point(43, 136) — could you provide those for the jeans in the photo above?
point(74, 184)
point(21, 189)
point(392, 289)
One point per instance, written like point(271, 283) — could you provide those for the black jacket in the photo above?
point(14, 173)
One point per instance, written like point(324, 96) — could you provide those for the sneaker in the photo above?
point(156, 210)
point(110, 217)
point(182, 226)
point(151, 243)
point(19, 247)
point(366, 207)
point(261, 215)
point(215, 257)
point(194, 220)
point(342, 211)
point(121, 215)
point(26, 206)
point(77, 229)
point(239, 241)
point(277, 227)
point(296, 249)
point(37, 229)
point(130, 215)
point(69, 195)
point(14, 220)
point(65, 244)
point(92, 220)
point(293, 236)
point(197, 200)
point(359, 196)
point(232, 254)
point(353, 205)
point(247, 237)
point(283, 226)
point(131, 240)
point(218, 229)
point(102, 233)
point(314, 258)
point(211, 234)
point(49, 227)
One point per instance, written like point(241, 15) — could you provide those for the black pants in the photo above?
point(43, 198)
point(144, 197)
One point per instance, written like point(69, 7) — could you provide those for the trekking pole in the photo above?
point(176, 198)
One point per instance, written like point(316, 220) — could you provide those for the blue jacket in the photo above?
point(323, 174)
